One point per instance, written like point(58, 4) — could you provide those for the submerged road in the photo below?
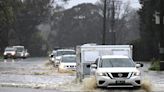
point(31, 73)
point(12, 89)
point(35, 75)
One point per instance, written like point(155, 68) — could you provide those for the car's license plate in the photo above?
point(120, 82)
point(9, 55)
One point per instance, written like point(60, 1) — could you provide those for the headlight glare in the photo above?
point(52, 59)
point(101, 74)
point(137, 73)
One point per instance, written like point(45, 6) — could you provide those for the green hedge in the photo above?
point(155, 65)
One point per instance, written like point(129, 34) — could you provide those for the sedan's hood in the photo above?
point(9, 52)
point(118, 69)
point(74, 64)
point(58, 57)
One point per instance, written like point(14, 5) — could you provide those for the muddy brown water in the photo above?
point(35, 73)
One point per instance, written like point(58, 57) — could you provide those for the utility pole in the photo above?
point(161, 46)
point(113, 23)
point(104, 25)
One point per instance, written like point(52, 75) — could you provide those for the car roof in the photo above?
point(10, 48)
point(68, 55)
point(18, 46)
point(114, 56)
point(65, 50)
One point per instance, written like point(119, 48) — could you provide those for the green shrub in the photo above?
point(1, 57)
point(155, 65)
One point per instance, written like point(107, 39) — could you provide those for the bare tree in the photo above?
point(117, 14)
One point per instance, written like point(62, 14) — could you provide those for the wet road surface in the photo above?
point(31, 73)
point(12, 89)
point(34, 73)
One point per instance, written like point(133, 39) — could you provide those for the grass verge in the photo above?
point(1, 57)
point(155, 65)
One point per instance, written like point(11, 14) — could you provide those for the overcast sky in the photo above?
point(134, 3)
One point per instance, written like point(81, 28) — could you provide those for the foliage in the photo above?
point(155, 65)
point(148, 29)
point(7, 18)
point(1, 57)
point(78, 25)
point(83, 24)
point(33, 13)
point(19, 20)
point(121, 21)
point(137, 49)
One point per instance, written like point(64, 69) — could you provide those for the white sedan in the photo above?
point(117, 71)
point(67, 62)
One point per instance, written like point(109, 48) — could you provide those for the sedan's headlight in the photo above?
point(137, 73)
point(4, 53)
point(101, 74)
point(57, 60)
point(22, 54)
point(52, 59)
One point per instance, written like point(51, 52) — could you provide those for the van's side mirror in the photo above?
point(94, 66)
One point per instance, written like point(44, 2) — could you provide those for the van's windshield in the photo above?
point(116, 62)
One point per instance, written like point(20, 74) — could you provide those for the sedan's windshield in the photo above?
point(69, 59)
point(60, 53)
point(20, 49)
point(116, 62)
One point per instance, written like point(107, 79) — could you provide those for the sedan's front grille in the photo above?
point(119, 75)
point(8, 54)
point(70, 66)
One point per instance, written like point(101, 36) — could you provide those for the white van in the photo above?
point(87, 54)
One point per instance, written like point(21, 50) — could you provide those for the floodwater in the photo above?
point(31, 73)
point(36, 73)
point(14, 89)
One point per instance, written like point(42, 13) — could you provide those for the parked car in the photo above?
point(21, 52)
point(116, 71)
point(67, 62)
point(27, 54)
point(9, 52)
point(56, 55)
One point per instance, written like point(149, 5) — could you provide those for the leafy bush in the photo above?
point(155, 65)
point(1, 57)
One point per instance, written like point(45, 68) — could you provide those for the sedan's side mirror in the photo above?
point(51, 55)
point(138, 65)
point(142, 64)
